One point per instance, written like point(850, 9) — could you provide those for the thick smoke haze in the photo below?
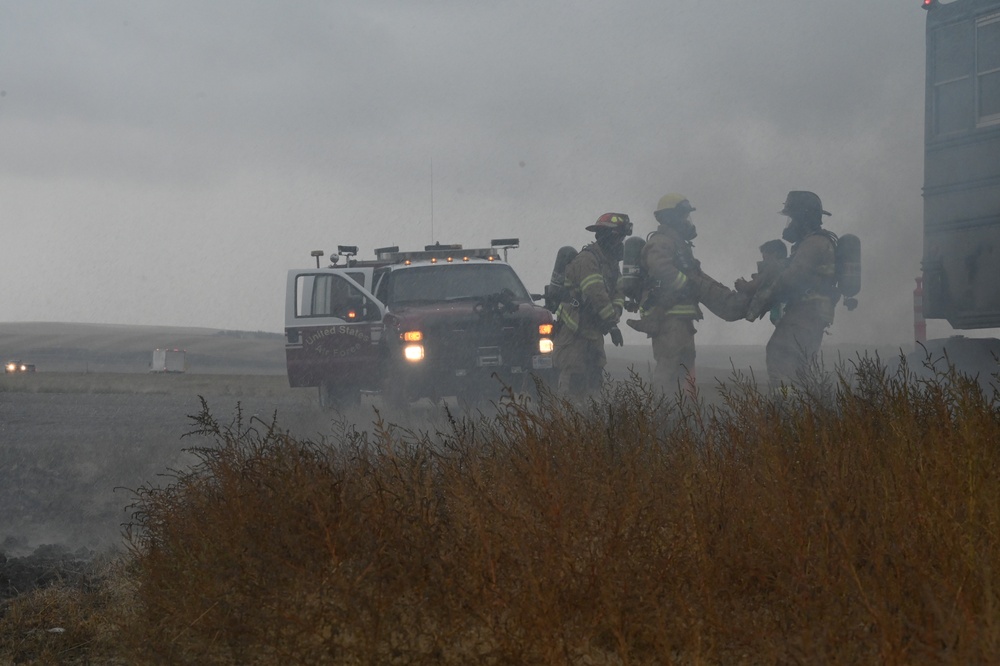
point(166, 163)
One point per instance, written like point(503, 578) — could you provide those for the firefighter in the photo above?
point(807, 287)
point(668, 302)
point(591, 308)
point(673, 284)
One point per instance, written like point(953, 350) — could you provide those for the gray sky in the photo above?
point(166, 163)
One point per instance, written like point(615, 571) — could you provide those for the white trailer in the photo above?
point(169, 360)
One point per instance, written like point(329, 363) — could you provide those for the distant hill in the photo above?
point(75, 347)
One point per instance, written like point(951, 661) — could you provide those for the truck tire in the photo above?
point(395, 394)
point(333, 396)
point(472, 398)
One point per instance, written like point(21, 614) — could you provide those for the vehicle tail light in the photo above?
point(413, 336)
point(545, 344)
point(413, 353)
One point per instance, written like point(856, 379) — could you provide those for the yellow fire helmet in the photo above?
point(674, 202)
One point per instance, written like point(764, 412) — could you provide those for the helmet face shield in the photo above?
point(793, 231)
point(626, 227)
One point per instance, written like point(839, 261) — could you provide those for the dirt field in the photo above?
point(69, 458)
point(93, 423)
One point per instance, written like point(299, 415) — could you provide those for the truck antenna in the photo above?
point(432, 199)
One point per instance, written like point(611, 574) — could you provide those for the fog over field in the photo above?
point(175, 159)
point(166, 163)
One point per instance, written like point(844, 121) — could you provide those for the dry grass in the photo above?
point(858, 522)
point(87, 622)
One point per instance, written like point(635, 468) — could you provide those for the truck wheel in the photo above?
point(475, 394)
point(334, 396)
point(395, 390)
point(395, 395)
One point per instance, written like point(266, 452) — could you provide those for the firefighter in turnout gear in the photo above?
point(591, 308)
point(806, 285)
point(668, 303)
point(673, 285)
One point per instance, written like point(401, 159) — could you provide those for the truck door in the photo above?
point(333, 325)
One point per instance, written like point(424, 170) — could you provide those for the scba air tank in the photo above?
point(631, 269)
point(849, 265)
point(556, 288)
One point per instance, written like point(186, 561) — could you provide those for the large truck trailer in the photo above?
point(961, 261)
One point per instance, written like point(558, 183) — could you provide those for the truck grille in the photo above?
point(478, 343)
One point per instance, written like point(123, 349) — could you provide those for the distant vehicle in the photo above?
point(169, 360)
point(442, 321)
point(18, 367)
point(961, 262)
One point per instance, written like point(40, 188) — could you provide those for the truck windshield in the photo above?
point(446, 282)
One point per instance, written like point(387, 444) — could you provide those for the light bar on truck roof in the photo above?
point(440, 254)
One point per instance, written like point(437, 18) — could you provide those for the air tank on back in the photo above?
point(849, 268)
point(556, 288)
point(631, 270)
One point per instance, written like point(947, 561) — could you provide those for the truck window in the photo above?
point(453, 282)
point(965, 75)
point(357, 277)
point(951, 76)
point(381, 282)
point(332, 296)
point(988, 68)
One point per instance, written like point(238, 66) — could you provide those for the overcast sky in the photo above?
point(165, 163)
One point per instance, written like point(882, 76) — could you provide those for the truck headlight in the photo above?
point(545, 345)
point(413, 353)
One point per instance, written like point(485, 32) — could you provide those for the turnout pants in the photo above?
point(580, 362)
point(673, 349)
point(796, 341)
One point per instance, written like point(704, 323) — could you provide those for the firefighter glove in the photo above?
point(616, 337)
